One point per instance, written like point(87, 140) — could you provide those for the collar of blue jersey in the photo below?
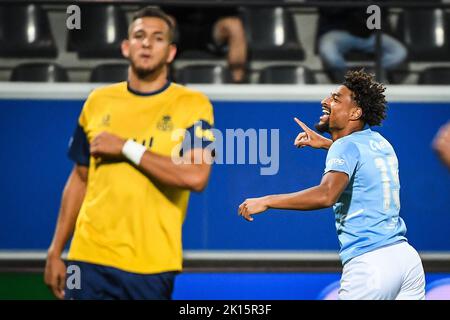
point(366, 127)
point(146, 94)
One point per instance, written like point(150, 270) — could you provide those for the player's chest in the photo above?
point(155, 127)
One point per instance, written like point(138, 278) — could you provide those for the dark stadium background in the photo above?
point(281, 255)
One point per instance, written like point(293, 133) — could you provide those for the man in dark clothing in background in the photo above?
point(217, 30)
point(341, 30)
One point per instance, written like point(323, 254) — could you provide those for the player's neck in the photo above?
point(346, 131)
point(152, 83)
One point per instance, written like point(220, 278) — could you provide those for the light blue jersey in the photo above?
point(367, 213)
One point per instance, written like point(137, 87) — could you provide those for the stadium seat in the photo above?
point(198, 55)
point(271, 34)
point(39, 72)
point(287, 74)
point(426, 34)
point(113, 72)
point(337, 76)
point(25, 32)
point(2, 29)
point(103, 29)
point(354, 55)
point(435, 75)
point(213, 74)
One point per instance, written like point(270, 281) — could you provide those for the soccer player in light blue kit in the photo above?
point(361, 182)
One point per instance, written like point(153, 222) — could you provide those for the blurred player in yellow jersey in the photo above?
point(125, 200)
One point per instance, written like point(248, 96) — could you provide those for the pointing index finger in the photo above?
point(302, 125)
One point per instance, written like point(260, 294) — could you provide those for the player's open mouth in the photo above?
point(326, 114)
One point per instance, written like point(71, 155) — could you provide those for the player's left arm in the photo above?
point(192, 173)
point(324, 195)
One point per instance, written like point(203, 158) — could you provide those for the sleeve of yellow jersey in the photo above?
point(199, 133)
point(79, 145)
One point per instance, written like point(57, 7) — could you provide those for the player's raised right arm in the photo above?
point(72, 198)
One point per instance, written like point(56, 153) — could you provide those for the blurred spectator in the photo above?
point(342, 30)
point(215, 30)
point(441, 144)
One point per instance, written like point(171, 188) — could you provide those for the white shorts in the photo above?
point(390, 273)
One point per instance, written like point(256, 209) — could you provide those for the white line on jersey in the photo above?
point(353, 214)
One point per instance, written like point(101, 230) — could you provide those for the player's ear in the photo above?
point(172, 53)
point(356, 113)
point(125, 47)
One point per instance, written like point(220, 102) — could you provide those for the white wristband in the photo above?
point(133, 151)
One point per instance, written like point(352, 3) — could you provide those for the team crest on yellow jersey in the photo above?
point(165, 124)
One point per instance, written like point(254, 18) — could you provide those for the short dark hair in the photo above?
point(154, 12)
point(368, 95)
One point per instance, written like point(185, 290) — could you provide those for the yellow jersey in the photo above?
point(127, 220)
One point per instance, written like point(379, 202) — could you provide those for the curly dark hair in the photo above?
point(368, 95)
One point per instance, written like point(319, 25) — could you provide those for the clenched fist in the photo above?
point(107, 145)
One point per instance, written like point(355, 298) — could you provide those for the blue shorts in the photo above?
point(95, 282)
